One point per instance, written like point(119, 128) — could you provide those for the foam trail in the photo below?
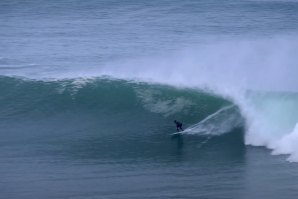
point(222, 121)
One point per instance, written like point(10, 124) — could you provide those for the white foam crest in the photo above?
point(288, 145)
point(271, 123)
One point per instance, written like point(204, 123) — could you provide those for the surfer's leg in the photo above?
point(180, 127)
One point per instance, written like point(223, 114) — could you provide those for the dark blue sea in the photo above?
point(89, 91)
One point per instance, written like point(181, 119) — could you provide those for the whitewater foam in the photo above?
point(256, 75)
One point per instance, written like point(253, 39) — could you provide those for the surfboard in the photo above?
point(177, 134)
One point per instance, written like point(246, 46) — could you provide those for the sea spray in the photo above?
point(259, 76)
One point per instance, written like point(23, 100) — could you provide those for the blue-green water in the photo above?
point(89, 91)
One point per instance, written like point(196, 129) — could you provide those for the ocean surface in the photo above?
point(89, 91)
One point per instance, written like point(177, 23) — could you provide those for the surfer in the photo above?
point(178, 126)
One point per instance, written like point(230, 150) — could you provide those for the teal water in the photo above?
point(59, 140)
point(89, 91)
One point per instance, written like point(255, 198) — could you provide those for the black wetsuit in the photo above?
point(178, 126)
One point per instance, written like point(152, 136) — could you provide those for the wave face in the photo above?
point(24, 99)
point(120, 112)
point(36, 98)
point(111, 106)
